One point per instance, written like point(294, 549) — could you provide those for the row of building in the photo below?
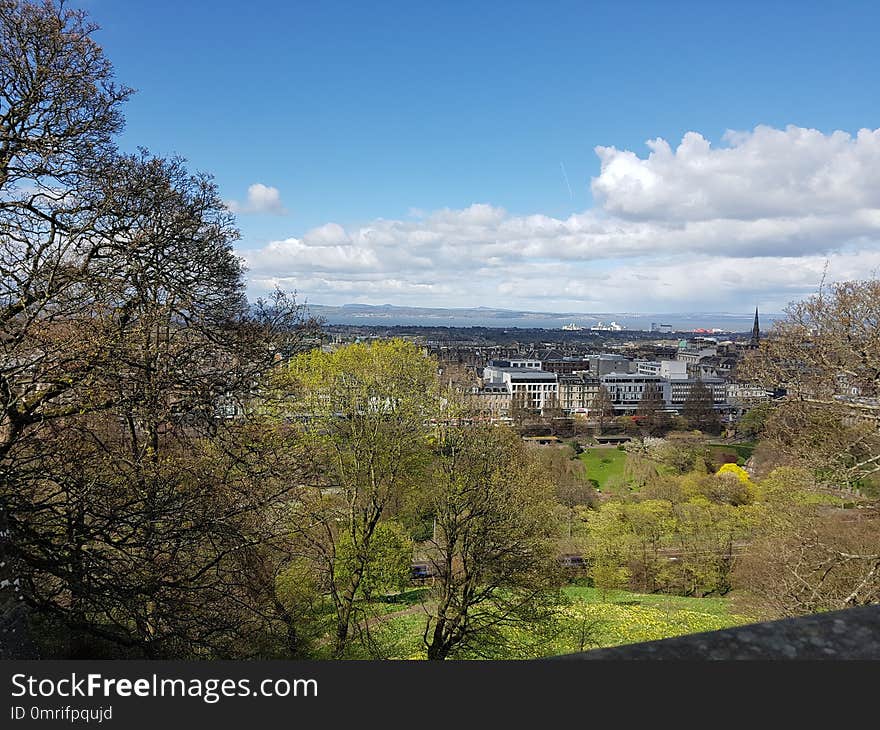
point(571, 384)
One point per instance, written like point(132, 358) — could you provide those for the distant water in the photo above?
point(679, 322)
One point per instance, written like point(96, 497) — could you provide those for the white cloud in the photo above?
point(766, 173)
point(260, 199)
point(695, 227)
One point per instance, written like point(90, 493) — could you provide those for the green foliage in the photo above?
point(677, 535)
point(751, 425)
point(387, 569)
point(639, 470)
point(361, 415)
point(608, 577)
point(682, 454)
point(297, 585)
point(494, 507)
point(795, 486)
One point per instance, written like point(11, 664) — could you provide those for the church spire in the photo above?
point(756, 331)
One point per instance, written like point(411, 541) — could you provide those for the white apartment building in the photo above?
point(647, 367)
point(746, 395)
point(668, 369)
point(673, 369)
point(529, 388)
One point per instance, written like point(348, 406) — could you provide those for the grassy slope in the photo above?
point(585, 623)
point(741, 451)
point(603, 463)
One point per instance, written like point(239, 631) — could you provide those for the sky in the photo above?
point(553, 156)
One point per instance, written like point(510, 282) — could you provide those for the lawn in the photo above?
point(603, 463)
point(582, 622)
point(742, 451)
point(714, 606)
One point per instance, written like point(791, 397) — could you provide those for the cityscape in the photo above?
point(546, 377)
point(341, 342)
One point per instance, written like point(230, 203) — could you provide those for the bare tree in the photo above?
point(809, 560)
point(133, 536)
point(825, 355)
point(698, 409)
point(652, 410)
point(59, 110)
point(602, 407)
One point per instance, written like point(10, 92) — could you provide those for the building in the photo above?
point(755, 341)
point(516, 363)
point(576, 391)
point(607, 363)
point(626, 389)
point(666, 369)
point(715, 366)
point(680, 389)
point(566, 365)
point(673, 370)
point(492, 400)
point(746, 395)
point(529, 388)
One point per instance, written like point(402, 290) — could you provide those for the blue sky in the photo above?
point(368, 118)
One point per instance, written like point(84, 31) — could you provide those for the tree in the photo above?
point(389, 565)
point(552, 409)
point(136, 534)
point(362, 412)
point(698, 409)
point(59, 110)
point(133, 513)
point(682, 452)
point(521, 410)
point(492, 551)
point(602, 407)
point(807, 561)
point(569, 477)
point(751, 425)
point(825, 355)
point(607, 548)
point(652, 410)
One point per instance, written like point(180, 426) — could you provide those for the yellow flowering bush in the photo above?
point(737, 471)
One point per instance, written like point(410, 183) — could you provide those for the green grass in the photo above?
point(603, 463)
point(395, 602)
point(713, 606)
point(742, 451)
point(870, 486)
point(582, 622)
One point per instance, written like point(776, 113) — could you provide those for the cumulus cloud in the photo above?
point(260, 199)
point(754, 219)
point(766, 173)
